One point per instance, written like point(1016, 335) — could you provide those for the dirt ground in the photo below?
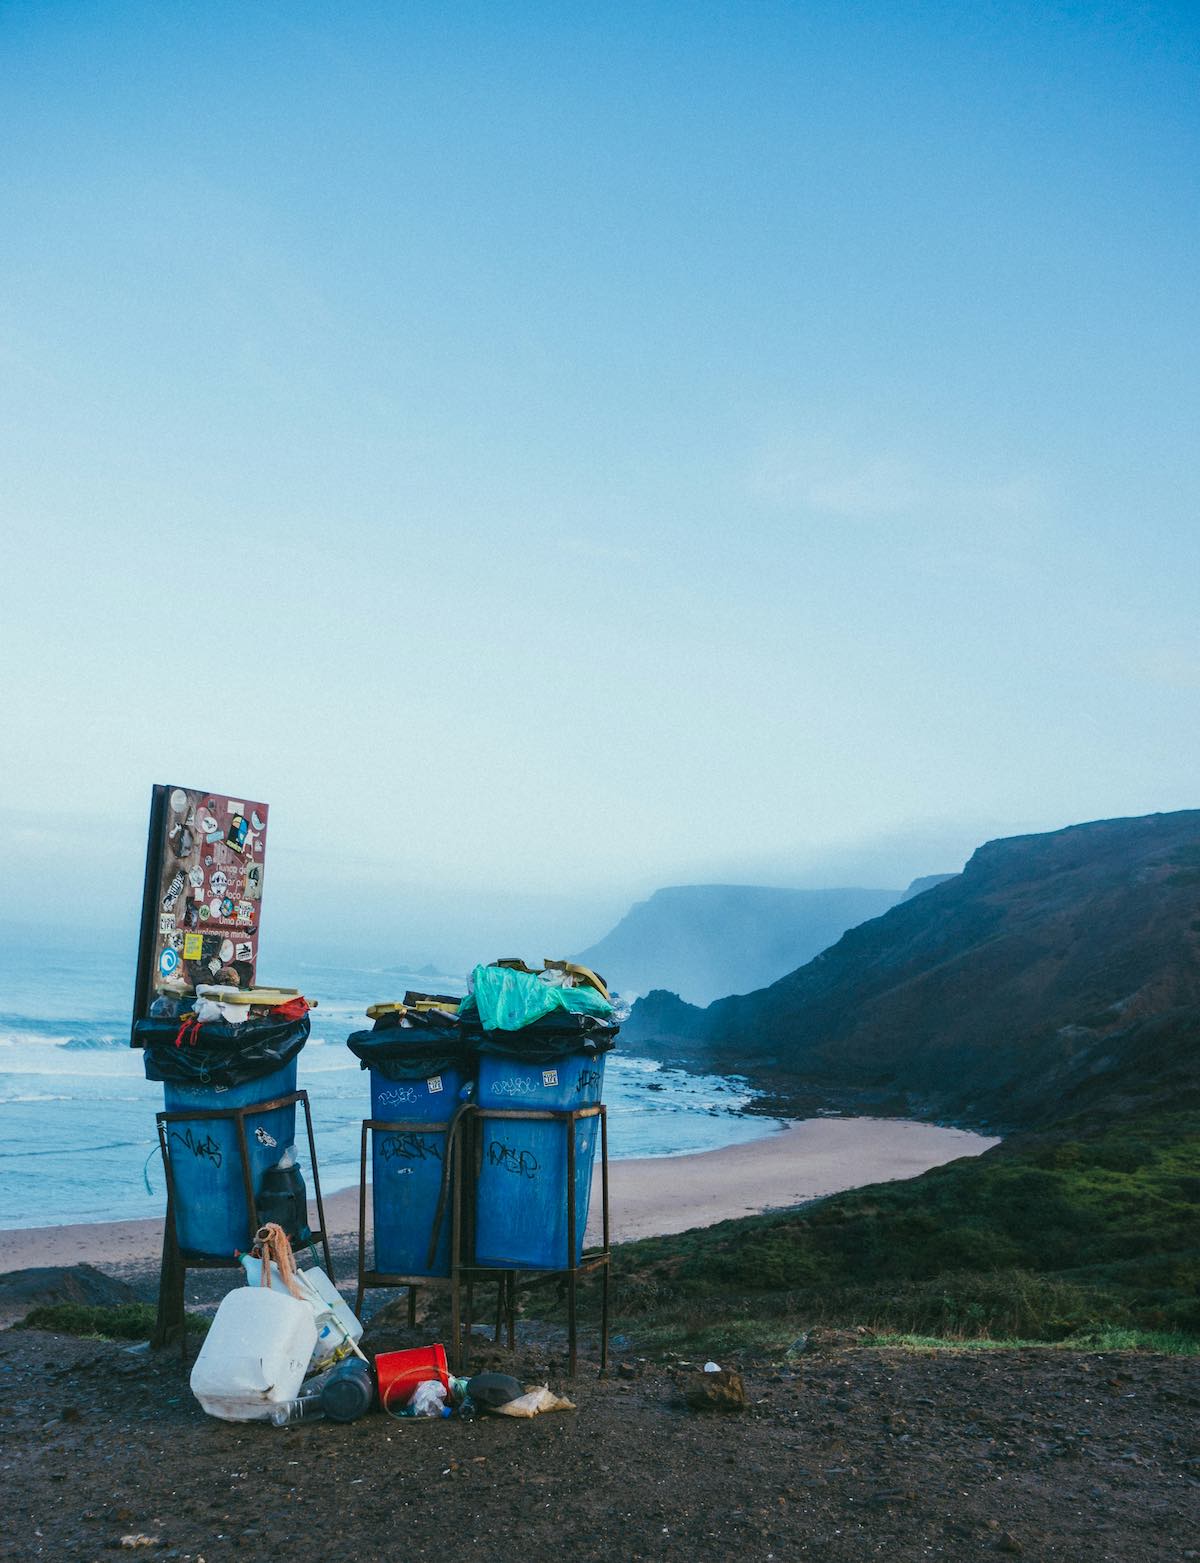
point(848, 1453)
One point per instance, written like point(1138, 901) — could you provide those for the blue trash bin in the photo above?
point(214, 1067)
point(419, 1076)
point(521, 1187)
point(211, 1216)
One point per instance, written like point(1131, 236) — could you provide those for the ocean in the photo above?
point(77, 1133)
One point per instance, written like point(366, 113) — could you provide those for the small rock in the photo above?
point(720, 1391)
point(627, 1370)
point(1006, 1542)
point(138, 1540)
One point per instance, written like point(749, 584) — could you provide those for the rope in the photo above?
point(155, 1151)
point(452, 1133)
point(271, 1242)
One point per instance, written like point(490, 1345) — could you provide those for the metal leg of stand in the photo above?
point(312, 1161)
point(362, 1223)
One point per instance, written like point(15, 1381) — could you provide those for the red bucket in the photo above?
point(399, 1372)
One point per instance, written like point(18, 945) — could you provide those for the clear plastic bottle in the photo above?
point(305, 1408)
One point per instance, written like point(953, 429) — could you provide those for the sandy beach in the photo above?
point(648, 1197)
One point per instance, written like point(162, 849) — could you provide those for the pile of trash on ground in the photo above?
point(284, 1349)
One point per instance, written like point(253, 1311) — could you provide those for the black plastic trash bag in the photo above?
point(410, 1052)
point(217, 1053)
point(548, 1038)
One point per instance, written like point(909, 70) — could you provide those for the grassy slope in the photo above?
point(1092, 1229)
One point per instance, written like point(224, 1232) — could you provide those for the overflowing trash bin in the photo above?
point(232, 1049)
point(540, 1040)
point(421, 1072)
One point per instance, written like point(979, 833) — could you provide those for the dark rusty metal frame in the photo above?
point(374, 1277)
point(465, 1273)
point(568, 1275)
point(176, 1261)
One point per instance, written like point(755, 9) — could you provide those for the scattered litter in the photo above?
point(534, 1402)
point(138, 1540)
point(255, 1354)
point(712, 1367)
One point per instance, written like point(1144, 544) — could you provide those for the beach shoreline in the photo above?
point(655, 1196)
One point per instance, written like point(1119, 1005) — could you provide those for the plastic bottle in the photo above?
point(305, 1408)
point(348, 1391)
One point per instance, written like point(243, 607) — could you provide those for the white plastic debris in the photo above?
point(255, 1354)
point(533, 1402)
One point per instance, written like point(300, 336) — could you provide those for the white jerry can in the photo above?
point(335, 1320)
point(255, 1354)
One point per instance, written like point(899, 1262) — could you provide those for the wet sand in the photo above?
point(649, 1197)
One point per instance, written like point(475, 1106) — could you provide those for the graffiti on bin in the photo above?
point(409, 1146)
point(206, 1149)
point(523, 1163)
point(588, 1078)
point(514, 1086)
point(400, 1093)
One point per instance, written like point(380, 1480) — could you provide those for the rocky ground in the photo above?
point(846, 1453)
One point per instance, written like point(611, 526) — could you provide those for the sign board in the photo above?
point(202, 898)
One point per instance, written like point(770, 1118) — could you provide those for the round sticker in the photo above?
point(255, 819)
point(214, 906)
point(178, 801)
point(204, 914)
point(167, 962)
point(226, 951)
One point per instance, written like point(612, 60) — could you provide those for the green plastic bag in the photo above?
point(506, 1000)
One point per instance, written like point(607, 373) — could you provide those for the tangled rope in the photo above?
point(271, 1243)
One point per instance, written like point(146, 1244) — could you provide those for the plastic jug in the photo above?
point(335, 1321)
point(255, 1354)
point(282, 1197)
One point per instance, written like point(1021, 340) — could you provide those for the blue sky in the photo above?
point(559, 450)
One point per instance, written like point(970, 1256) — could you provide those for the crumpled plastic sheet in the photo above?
point(533, 1402)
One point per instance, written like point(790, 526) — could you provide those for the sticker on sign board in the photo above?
point(204, 914)
point(253, 881)
point(235, 808)
point(219, 881)
point(227, 906)
point(549, 1076)
point(196, 877)
point(245, 912)
point(244, 951)
point(257, 820)
point(208, 824)
point(238, 829)
point(434, 1083)
point(168, 963)
point(178, 801)
point(193, 946)
point(213, 837)
point(174, 940)
point(226, 951)
point(166, 921)
point(173, 889)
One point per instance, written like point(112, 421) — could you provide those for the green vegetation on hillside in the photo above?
point(1067, 1237)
